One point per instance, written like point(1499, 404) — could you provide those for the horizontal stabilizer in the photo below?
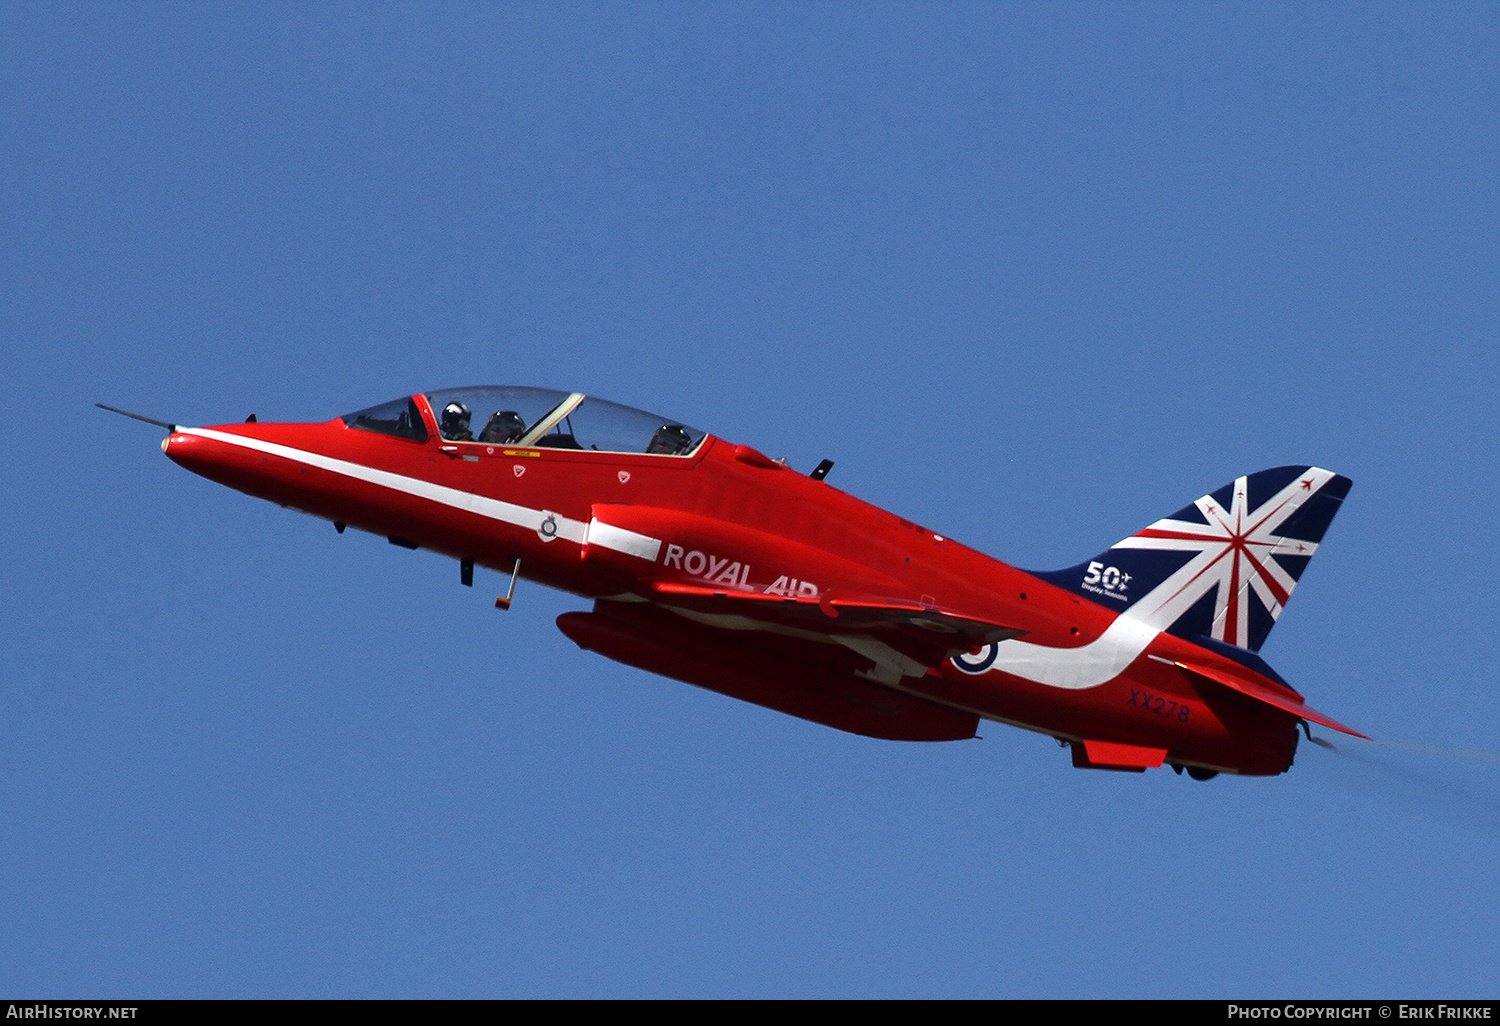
point(1260, 693)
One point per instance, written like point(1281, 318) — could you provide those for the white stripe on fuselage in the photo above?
point(621, 540)
point(1087, 666)
point(495, 509)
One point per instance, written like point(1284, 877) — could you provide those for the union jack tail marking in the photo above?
point(1224, 566)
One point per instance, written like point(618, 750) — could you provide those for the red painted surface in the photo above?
point(768, 586)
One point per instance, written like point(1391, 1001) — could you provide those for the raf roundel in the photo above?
point(978, 661)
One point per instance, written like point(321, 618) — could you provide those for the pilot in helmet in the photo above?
point(455, 425)
point(670, 440)
point(504, 426)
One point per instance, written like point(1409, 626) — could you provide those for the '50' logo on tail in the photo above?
point(1108, 581)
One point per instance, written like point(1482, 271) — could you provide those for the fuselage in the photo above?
point(618, 526)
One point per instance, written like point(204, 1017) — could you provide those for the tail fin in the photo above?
point(1223, 567)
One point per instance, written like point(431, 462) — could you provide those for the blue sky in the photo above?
point(1032, 275)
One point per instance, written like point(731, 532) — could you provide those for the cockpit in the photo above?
point(529, 418)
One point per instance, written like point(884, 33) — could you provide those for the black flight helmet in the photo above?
point(670, 440)
point(456, 422)
point(505, 426)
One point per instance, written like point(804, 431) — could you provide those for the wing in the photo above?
point(899, 637)
point(778, 672)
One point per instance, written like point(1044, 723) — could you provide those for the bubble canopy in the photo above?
point(530, 417)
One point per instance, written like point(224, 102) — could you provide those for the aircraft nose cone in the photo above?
point(216, 459)
point(189, 451)
point(174, 445)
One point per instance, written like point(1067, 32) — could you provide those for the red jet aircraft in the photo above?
point(710, 563)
